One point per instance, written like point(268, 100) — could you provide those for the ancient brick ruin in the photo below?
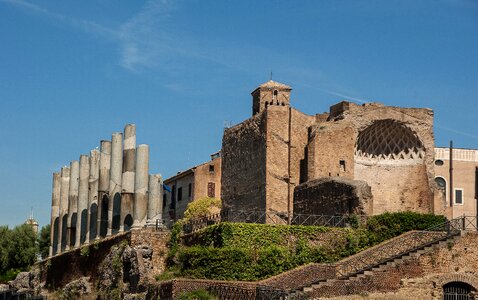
point(387, 150)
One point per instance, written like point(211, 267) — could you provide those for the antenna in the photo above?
point(271, 74)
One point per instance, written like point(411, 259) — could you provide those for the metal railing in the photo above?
point(403, 245)
point(247, 216)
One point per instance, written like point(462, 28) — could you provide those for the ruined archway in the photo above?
point(390, 157)
point(56, 235)
point(93, 218)
point(115, 225)
point(104, 216)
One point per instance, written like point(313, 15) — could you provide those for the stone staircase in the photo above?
point(381, 257)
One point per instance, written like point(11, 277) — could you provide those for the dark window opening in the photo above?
point(211, 168)
point(342, 165)
point(211, 186)
point(190, 192)
point(164, 200)
point(439, 162)
point(458, 196)
point(180, 194)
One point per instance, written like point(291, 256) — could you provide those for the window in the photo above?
point(459, 196)
point(190, 190)
point(164, 200)
point(211, 186)
point(440, 181)
point(438, 162)
point(342, 165)
point(180, 194)
point(211, 168)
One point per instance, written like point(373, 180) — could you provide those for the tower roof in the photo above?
point(271, 84)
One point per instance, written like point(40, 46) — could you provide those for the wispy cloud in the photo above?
point(86, 25)
point(460, 132)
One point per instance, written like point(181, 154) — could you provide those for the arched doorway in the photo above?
point(128, 222)
point(93, 219)
point(104, 216)
point(457, 290)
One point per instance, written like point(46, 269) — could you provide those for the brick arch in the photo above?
point(461, 277)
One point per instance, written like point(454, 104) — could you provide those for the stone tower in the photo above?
point(270, 93)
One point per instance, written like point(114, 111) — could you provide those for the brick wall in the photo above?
point(243, 165)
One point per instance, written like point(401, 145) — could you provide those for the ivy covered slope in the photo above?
point(240, 251)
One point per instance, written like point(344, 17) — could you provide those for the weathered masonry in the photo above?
point(106, 192)
point(364, 159)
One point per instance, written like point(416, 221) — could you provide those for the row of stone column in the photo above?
point(105, 192)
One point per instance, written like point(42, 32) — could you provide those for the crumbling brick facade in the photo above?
point(267, 156)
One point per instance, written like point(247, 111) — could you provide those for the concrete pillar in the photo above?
point(82, 217)
point(55, 213)
point(73, 203)
point(127, 180)
point(63, 222)
point(141, 186)
point(155, 205)
point(103, 188)
point(116, 162)
point(92, 230)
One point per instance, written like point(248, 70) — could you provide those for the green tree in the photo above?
point(4, 248)
point(44, 241)
point(18, 250)
point(201, 208)
point(23, 247)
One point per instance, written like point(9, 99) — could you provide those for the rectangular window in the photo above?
point(173, 198)
point(180, 194)
point(459, 196)
point(211, 186)
point(164, 200)
point(211, 168)
point(342, 165)
point(190, 190)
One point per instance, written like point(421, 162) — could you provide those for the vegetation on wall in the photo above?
point(240, 251)
point(201, 208)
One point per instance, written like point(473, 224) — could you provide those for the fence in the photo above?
point(245, 216)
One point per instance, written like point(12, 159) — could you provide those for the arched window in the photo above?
point(457, 290)
point(441, 183)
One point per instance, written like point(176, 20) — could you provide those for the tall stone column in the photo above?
point(141, 186)
point(72, 203)
point(155, 205)
point(127, 181)
point(114, 207)
point(63, 221)
point(55, 213)
point(103, 188)
point(94, 175)
point(82, 217)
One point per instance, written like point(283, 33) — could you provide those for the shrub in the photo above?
point(197, 295)
point(201, 208)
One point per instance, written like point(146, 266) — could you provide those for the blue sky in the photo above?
point(73, 72)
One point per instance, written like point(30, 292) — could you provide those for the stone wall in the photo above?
point(397, 184)
point(243, 169)
point(333, 195)
point(421, 277)
point(119, 265)
point(331, 150)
